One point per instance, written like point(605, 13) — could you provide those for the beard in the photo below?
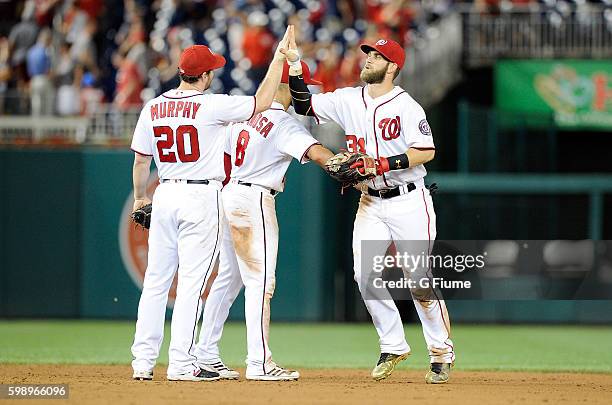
point(371, 76)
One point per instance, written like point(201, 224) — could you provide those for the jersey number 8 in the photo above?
point(241, 145)
point(166, 142)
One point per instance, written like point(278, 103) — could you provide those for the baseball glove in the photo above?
point(351, 168)
point(142, 216)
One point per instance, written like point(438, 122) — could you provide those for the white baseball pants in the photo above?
point(247, 258)
point(184, 236)
point(223, 292)
point(407, 217)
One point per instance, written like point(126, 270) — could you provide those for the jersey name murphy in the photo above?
point(184, 132)
point(174, 109)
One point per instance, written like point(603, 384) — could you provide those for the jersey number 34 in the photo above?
point(186, 135)
point(355, 144)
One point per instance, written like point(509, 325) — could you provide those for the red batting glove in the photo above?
point(358, 165)
point(382, 165)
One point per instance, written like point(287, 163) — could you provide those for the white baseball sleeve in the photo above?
point(325, 107)
point(416, 128)
point(231, 108)
point(294, 140)
point(143, 139)
point(227, 144)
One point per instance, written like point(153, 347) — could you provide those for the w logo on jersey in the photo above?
point(390, 127)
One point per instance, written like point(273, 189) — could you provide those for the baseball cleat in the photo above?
point(277, 373)
point(386, 364)
point(142, 375)
point(196, 375)
point(439, 373)
point(224, 371)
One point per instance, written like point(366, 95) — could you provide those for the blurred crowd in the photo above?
point(560, 8)
point(72, 57)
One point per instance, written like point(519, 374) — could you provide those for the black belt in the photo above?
point(244, 183)
point(389, 192)
point(185, 181)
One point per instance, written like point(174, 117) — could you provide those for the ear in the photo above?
point(392, 68)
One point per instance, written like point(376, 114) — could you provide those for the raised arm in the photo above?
point(267, 89)
point(300, 95)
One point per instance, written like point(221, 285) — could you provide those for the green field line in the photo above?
point(302, 345)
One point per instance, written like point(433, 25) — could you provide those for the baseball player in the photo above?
point(382, 120)
point(183, 130)
point(261, 151)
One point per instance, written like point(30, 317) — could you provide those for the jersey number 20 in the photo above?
point(167, 139)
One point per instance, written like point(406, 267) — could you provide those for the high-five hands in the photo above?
point(282, 50)
point(292, 54)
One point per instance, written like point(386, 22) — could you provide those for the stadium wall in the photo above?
point(60, 216)
point(60, 255)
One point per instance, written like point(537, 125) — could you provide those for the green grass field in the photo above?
point(546, 348)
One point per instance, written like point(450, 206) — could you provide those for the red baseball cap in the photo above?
point(388, 48)
point(305, 74)
point(198, 59)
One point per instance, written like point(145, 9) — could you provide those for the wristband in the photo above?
point(294, 63)
point(398, 162)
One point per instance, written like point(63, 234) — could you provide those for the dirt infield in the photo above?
point(112, 385)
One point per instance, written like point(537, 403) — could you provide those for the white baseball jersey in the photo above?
point(385, 126)
point(261, 149)
point(183, 130)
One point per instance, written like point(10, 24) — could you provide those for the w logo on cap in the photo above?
point(391, 50)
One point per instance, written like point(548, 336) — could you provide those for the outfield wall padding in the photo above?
point(60, 212)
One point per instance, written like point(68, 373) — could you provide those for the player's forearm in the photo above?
point(140, 175)
point(300, 95)
point(319, 154)
point(411, 158)
point(268, 87)
point(420, 156)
